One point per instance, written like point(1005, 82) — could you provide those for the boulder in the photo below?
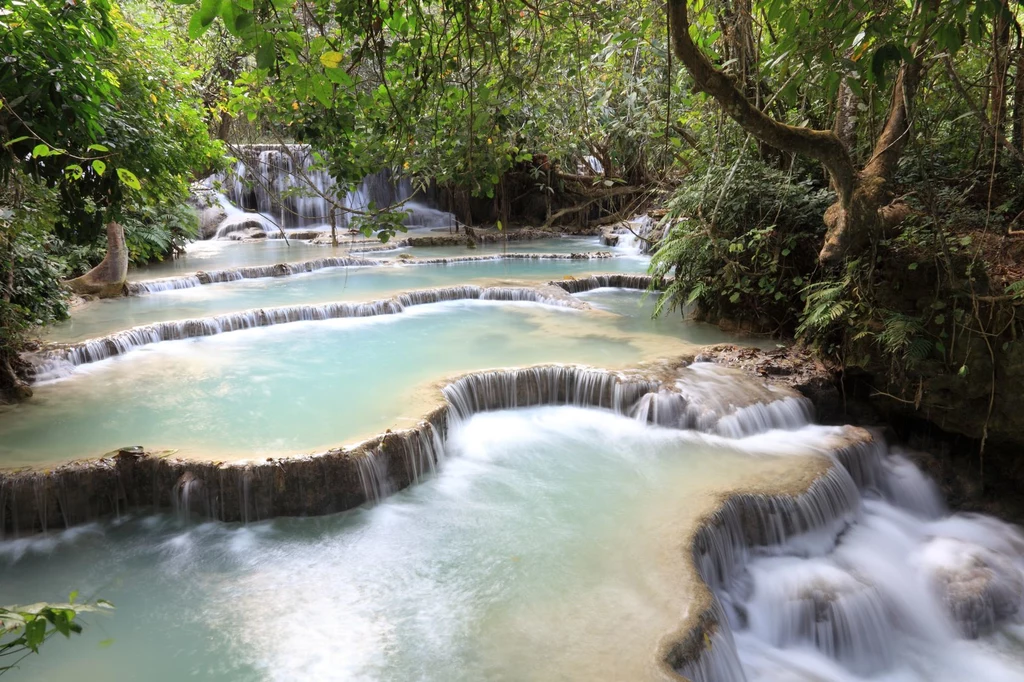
point(210, 218)
point(979, 587)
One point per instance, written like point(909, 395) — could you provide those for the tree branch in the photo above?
point(822, 145)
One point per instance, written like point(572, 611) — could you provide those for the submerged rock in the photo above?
point(979, 587)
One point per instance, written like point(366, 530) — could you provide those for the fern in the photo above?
point(902, 336)
point(826, 304)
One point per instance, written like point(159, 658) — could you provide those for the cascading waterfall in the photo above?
point(56, 363)
point(860, 574)
point(705, 398)
point(870, 578)
point(251, 272)
point(508, 389)
point(333, 481)
point(287, 269)
point(584, 284)
point(287, 185)
point(633, 236)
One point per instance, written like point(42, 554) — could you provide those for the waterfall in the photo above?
point(167, 284)
point(286, 269)
point(288, 186)
point(855, 571)
point(584, 284)
point(864, 570)
point(546, 385)
point(321, 484)
point(57, 362)
point(633, 236)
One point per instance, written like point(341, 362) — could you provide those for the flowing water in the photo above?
point(548, 543)
point(221, 254)
point(907, 593)
point(284, 389)
point(103, 317)
point(551, 546)
point(546, 549)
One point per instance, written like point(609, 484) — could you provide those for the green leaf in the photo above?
point(183, 2)
point(196, 27)
point(265, 55)
point(16, 140)
point(99, 167)
point(323, 92)
point(40, 150)
point(208, 11)
point(332, 59)
point(72, 596)
point(228, 12)
point(128, 178)
point(912, 266)
point(74, 170)
point(35, 633)
point(339, 76)
point(97, 148)
point(883, 55)
point(61, 624)
point(243, 20)
point(106, 643)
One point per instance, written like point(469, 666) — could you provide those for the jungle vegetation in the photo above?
point(848, 173)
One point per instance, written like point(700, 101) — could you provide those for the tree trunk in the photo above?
point(107, 279)
point(1000, 70)
point(1018, 102)
point(224, 129)
point(863, 207)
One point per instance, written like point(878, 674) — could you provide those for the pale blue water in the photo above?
point(287, 389)
point(544, 550)
point(98, 318)
point(224, 254)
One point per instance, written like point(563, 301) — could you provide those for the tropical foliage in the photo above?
point(24, 629)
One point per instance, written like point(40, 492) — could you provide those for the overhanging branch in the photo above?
point(822, 145)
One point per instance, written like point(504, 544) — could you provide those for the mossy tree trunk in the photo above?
point(864, 207)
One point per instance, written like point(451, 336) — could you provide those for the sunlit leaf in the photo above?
point(128, 178)
point(331, 60)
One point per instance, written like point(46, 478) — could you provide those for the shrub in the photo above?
point(742, 242)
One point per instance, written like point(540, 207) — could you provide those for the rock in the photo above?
point(306, 235)
point(979, 587)
point(609, 238)
point(440, 240)
point(792, 367)
point(107, 279)
point(247, 233)
point(210, 219)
